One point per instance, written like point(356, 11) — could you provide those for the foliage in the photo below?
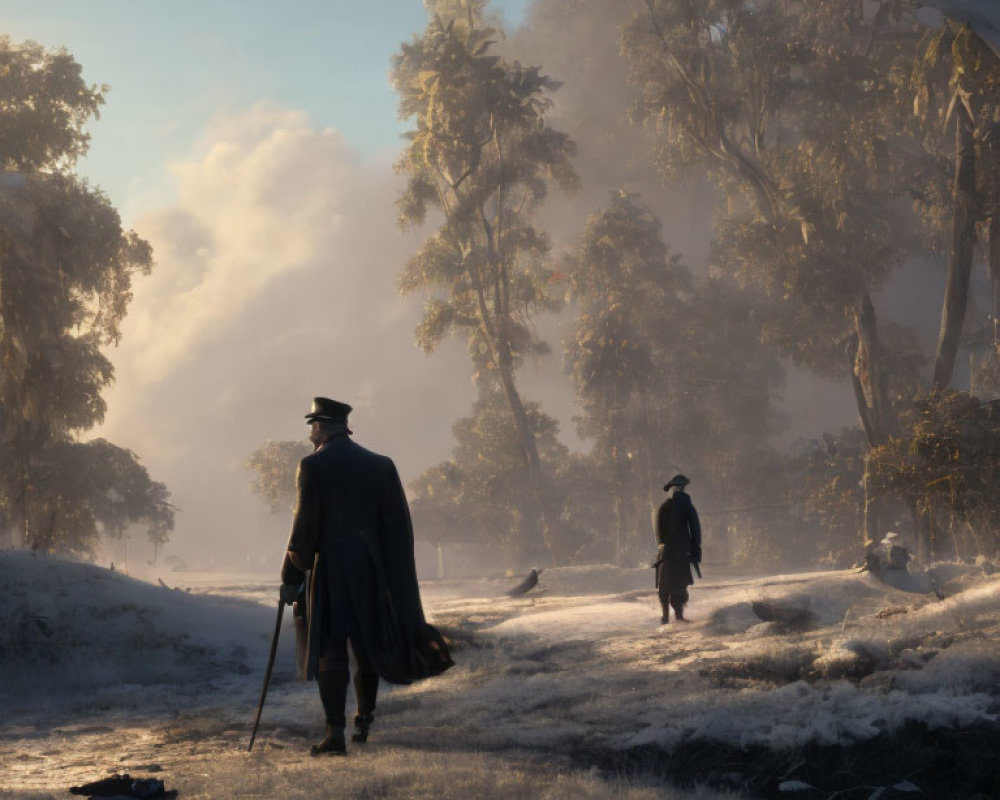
point(819, 123)
point(956, 114)
point(947, 463)
point(66, 268)
point(626, 286)
point(816, 122)
point(826, 483)
point(790, 108)
point(478, 495)
point(81, 491)
point(481, 156)
point(46, 105)
point(273, 465)
point(64, 288)
point(955, 73)
point(656, 358)
point(440, 506)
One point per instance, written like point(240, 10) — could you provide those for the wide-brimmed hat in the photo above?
point(677, 480)
point(326, 410)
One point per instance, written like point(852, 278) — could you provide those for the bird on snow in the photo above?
point(525, 586)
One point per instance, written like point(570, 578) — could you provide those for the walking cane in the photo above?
point(267, 674)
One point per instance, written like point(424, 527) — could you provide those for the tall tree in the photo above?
point(784, 105)
point(66, 267)
point(657, 360)
point(626, 287)
point(480, 158)
point(791, 107)
point(955, 86)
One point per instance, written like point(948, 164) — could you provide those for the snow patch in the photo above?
point(68, 627)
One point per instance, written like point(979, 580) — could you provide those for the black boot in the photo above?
point(333, 744)
point(333, 693)
point(362, 724)
point(366, 688)
point(679, 613)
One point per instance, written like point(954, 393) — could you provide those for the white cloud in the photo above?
point(268, 198)
point(275, 281)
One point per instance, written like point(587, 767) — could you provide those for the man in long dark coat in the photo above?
point(352, 534)
point(678, 533)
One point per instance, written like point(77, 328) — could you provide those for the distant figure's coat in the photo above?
point(678, 533)
point(352, 527)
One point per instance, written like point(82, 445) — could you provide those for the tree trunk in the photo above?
point(963, 242)
point(921, 529)
point(529, 446)
point(869, 379)
point(977, 543)
point(871, 393)
point(495, 330)
point(24, 483)
point(550, 532)
point(993, 148)
point(619, 527)
point(872, 519)
point(932, 545)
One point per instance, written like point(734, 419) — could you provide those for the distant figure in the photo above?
point(352, 531)
point(678, 534)
point(525, 586)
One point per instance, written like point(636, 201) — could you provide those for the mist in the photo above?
point(672, 316)
point(275, 281)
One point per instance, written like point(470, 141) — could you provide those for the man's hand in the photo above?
point(289, 592)
point(291, 573)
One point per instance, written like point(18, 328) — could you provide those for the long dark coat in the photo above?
point(678, 531)
point(352, 524)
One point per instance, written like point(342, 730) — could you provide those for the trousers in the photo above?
point(335, 673)
point(672, 587)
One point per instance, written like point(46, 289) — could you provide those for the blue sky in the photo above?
point(172, 65)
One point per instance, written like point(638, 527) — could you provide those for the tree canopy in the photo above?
point(481, 156)
point(273, 466)
point(66, 270)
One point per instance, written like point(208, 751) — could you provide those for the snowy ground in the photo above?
point(575, 691)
